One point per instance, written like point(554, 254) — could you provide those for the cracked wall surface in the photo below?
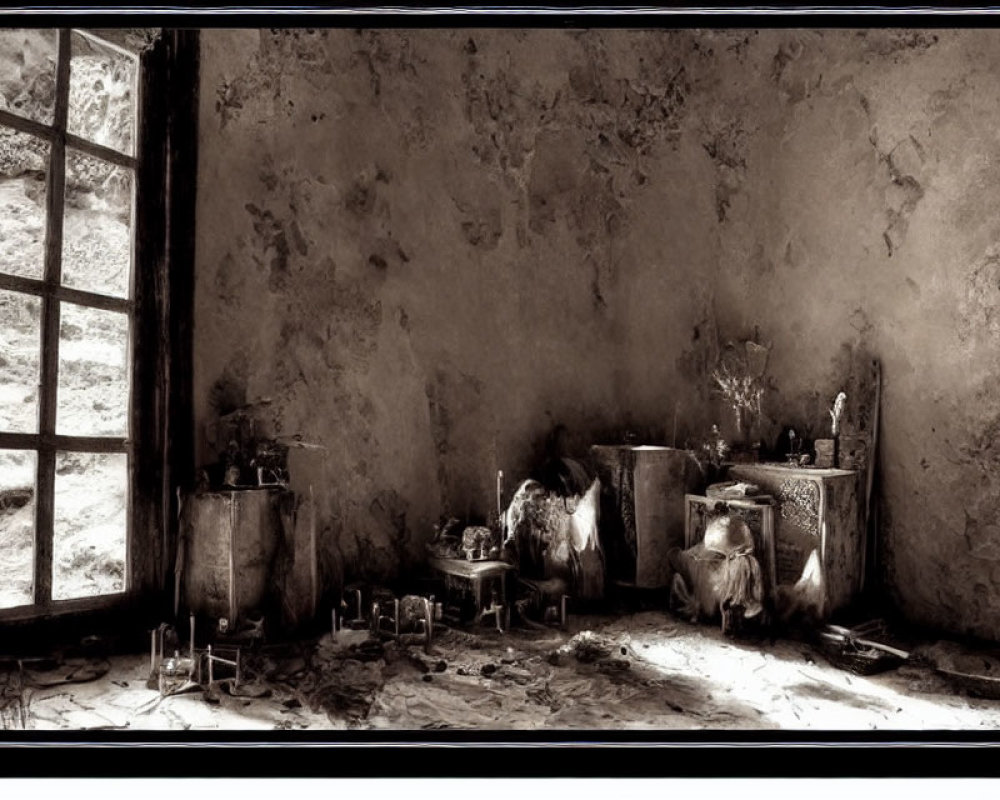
point(428, 247)
point(864, 223)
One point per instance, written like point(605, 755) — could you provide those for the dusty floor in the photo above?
point(645, 670)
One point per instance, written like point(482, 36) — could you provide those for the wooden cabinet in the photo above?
point(642, 509)
point(231, 538)
point(816, 511)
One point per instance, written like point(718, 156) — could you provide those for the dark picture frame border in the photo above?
point(408, 754)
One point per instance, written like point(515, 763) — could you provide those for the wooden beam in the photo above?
point(182, 148)
point(60, 607)
point(150, 507)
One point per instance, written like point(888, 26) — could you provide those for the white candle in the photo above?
point(500, 497)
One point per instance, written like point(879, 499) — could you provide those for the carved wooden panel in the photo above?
point(816, 510)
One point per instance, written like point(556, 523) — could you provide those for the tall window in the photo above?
point(68, 129)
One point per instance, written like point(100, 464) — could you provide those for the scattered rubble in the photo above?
point(644, 670)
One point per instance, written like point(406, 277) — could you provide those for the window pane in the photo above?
point(93, 372)
point(24, 160)
point(28, 73)
point(17, 527)
point(97, 231)
point(20, 348)
point(101, 92)
point(88, 548)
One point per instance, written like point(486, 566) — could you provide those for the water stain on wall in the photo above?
point(980, 311)
point(433, 217)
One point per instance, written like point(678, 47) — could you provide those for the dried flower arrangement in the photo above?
point(709, 452)
point(739, 379)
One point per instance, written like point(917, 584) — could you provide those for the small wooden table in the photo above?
point(461, 572)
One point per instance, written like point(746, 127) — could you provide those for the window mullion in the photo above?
point(44, 513)
point(99, 151)
point(26, 125)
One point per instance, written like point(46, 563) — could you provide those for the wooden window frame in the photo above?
point(159, 444)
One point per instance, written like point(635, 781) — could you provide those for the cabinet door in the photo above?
point(662, 478)
point(255, 539)
point(207, 583)
point(615, 468)
point(799, 526)
point(845, 541)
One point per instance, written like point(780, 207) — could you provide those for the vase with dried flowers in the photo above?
point(739, 380)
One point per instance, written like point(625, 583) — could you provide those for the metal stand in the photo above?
point(359, 620)
point(212, 659)
point(171, 674)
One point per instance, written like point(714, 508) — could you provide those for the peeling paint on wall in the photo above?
point(865, 196)
point(414, 232)
point(428, 247)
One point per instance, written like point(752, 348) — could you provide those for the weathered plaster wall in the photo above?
point(426, 248)
point(862, 217)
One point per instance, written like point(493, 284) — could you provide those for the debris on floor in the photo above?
point(588, 647)
point(975, 672)
point(644, 670)
point(861, 649)
point(13, 699)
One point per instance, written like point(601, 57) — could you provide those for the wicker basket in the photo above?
point(847, 648)
point(859, 659)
